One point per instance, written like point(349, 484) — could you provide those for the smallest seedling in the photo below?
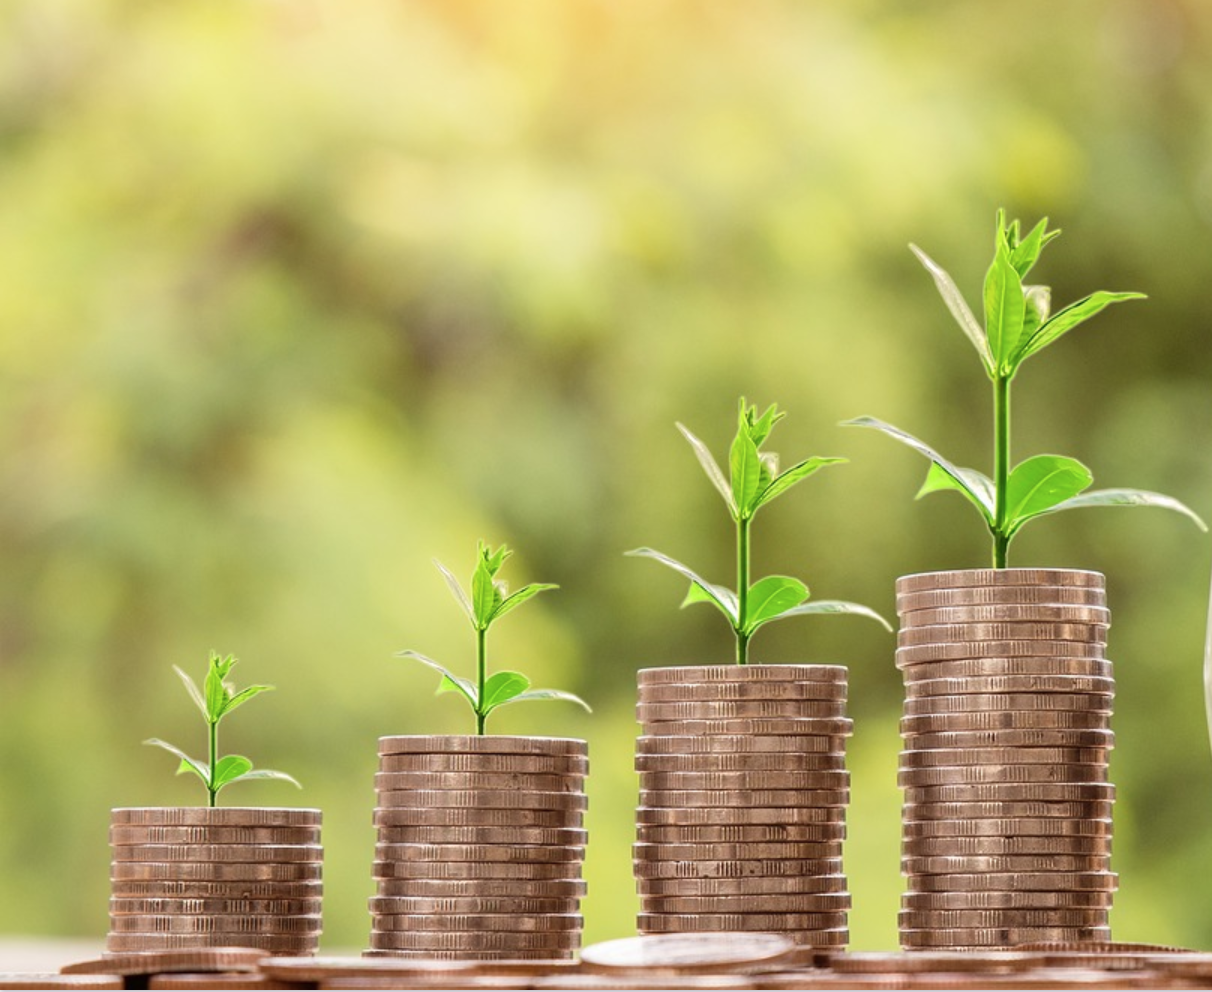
point(219, 698)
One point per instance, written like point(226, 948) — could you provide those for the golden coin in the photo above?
point(681, 692)
point(764, 922)
point(1012, 792)
point(1018, 881)
point(736, 709)
point(481, 853)
point(995, 811)
point(972, 650)
point(961, 740)
point(1001, 702)
point(212, 924)
point(227, 853)
point(966, 578)
point(963, 668)
point(522, 782)
point(770, 798)
point(143, 943)
point(738, 816)
point(997, 918)
point(742, 673)
point(741, 833)
point(386, 869)
point(446, 761)
point(153, 906)
point(223, 816)
point(567, 836)
point(508, 922)
point(951, 757)
point(152, 834)
point(800, 736)
point(736, 869)
point(216, 871)
point(821, 902)
point(753, 780)
point(772, 761)
point(487, 744)
point(688, 952)
point(454, 816)
point(1019, 827)
point(646, 851)
point(487, 888)
point(483, 799)
point(481, 940)
point(969, 774)
point(1008, 613)
point(1007, 900)
point(471, 905)
point(963, 846)
point(999, 937)
point(1009, 720)
point(1043, 595)
point(984, 684)
point(231, 889)
point(751, 886)
point(164, 962)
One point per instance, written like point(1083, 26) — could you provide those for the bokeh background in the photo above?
point(297, 295)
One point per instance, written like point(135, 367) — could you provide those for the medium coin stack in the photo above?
point(1007, 816)
point(743, 795)
point(190, 877)
point(480, 844)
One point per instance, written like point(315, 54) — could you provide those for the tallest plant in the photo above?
point(1018, 324)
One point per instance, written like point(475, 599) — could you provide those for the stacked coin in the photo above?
point(480, 844)
point(743, 795)
point(1007, 815)
point(229, 877)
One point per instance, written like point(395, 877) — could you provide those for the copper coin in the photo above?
point(1043, 809)
point(1096, 615)
point(752, 886)
point(910, 602)
point(450, 888)
point(985, 684)
point(773, 833)
point(821, 902)
point(225, 853)
point(966, 578)
point(965, 865)
point(454, 816)
point(829, 736)
point(972, 650)
point(1018, 881)
point(461, 781)
point(682, 692)
point(1000, 702)
point(765, 922)
point(743, 673)
point(657, 981)
point(1089, 899)
point(214, 871)
point(231, 889)
point(212, 980)
point(927, 962)
point(223, 816)
point(211, 924)
point(567, 837)
point(963, 740)
point(688, 952)
point(952, 757)
point(469, 958)
point(646, 851)
point(822, 938)
point(54, 980)
point(507, 922)
point(996, 918)
point(142, 943)
point(123, 906)
point(998, 937)
point(151, 834)
point(487, 744)
point(964, 846)
point(1012, 792)
point(481, 853)
point(1010, 630)
point(386, 869)
point(454, 940)
point(772, 798)
point(471, 905)
point(964, 668)
point(446, 761)
point(784, 761)
point(736, 869)
point(737, 816)
point(755, 780)
point(483, 799)
point(965, 774)
point(1020, 827)
point(163, 962)
point(737, 709)
point(1010, 720)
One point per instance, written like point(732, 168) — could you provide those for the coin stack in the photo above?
point(1007, 815)
point(187, 877)
point(480, 844)
point(743, 795)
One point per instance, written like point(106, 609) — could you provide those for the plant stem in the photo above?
point(481, 677)
point(1001, 466)
point(742, 590)
point(214, 760)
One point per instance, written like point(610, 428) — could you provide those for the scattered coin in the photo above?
point(214, 980)
point(688, 952)
point(52, 980)
point(932, 962)
point(488, 744)
point(161, 962)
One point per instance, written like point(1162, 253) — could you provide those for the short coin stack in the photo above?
point(229, 877)
point(743, 795)
point(1007, 815)
point(480, 844)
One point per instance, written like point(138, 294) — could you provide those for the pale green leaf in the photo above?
point(770, 598)
point(244, 695)
point(724, 599)
point(520, 597)
point(713, 470)
point(1005, 309)
point(958, 306)
point(821, 606)
point(539, 694)
point(1065, 320)
point(1129, 497)
point(199, 768)
point(484, 594)
point(1025, 253)
point(263, 774)
point(456, 590)
point(797, 473)
point(194, 692)
point(1040, 483)
point(746, 468)
point(229, 768)
point(216, 690)
point(502, 687)
point(450, 680)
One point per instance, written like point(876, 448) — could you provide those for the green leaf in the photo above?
point(1129, 497)
point(797, 473)
point(450, 681)
point(244, 695)
point(746, 467)
point(199, 768)
point(1039, 483)
point(520, 597)
point(701, 591)
point(216, 691)
point(1065, 320)
point(1038, 301)
point(194, 692)
point(484, 594)
point(229, 768)
point(976, 487)
point(958, 306)
point(539, 694)
point(260, 774)
point(837, 606)
point(759, 428)
point(457, 590)
point(713, 470)
point(501, 688)
point(1005, 310)
point(1024, 254)
point(770, 598)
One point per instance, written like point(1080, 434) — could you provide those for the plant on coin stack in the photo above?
point(215, 700)
point(490, 600)
point(1018, 324)
point(754, 481)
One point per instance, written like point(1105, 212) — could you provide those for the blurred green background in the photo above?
point(296, 296)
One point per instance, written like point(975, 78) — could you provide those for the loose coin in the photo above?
point(1018, 881)
point(964, 668)
point(765, 798)
point(1006, 827)
point(152, 834)
point(487, 888)
point(968, 633)
point(488, 922)
point(446, 761)
point(970, 650)
point(232, 889)
point(821, 902)
point(736, 869)
point(522, 782)
point(484, 799)
point(570, 837)
point(785, 761)
point(926, 962)
point(162, 962)
point(966, 578)
point(998, 918)
point(1012, 792)
point(743, 673)
point(385, 869)
point(964, 740)
point(964, 774)
point(960, 865)
point(224, 816)
point(54, 980)
point(471, 905)
point(998, 937)
point(484, 940)
point(745, 851)
point(985, 684)
point(225, 853)
point(953, 757)
point(212, 924)
point(454, 816)
point(823, 736)
point(754, 780)
point(143, 943)
point(214, 980)
point(957, 846)
point(755, 885)
point(122, 906)
point(1008, 613)
point(480, 853)
point(1090, 899)
point(910, 602)
point(688, 952)
point(774, 833)
point(213, 871)
point(1009, 720)
point(1000, 702)
point(758, 709)
point(488, 744)
point(765, 922)
point(683, 692)
point(738, 815)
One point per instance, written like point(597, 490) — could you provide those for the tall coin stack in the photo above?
point(1007, 814)
point(186, 877)
point(743, 795)
point(480, 844)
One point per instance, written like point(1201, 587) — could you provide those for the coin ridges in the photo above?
point(742, 673)
point(830, 741)
point(966, 578)
point(736, 709)
point(674, 692)
point(229, 816)
point(489, 744)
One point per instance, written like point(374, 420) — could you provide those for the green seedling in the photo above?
point(1018, 324)
point(754, 481)
point(489, 601)
point(217, 699)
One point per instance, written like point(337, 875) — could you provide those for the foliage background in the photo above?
point(298, 295)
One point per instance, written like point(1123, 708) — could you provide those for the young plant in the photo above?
point(489, 601)
point(218, 698)
point(754, 481)
point(1018, 324)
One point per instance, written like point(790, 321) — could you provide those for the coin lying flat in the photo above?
point(736, 869)
point(985, 684)
point(733, 709)
point(154, 834)
point(212, 924)
point(484, 799)
point(469, 816)
point(681, 692)
point(481, 853)
point(753, 885)
point(966, 578)
point(223, 853)
point(1008, 613)
point(1018, 881)
point(740, 815)
point(972, 739)
point(771, 833)
point(821, 736)
point(1011, 792)
point(488, 744)
point(555, 836)
point(445, 888)
point(773, 761)
point(1010, 630)
point(753, 780)
point(162, 962)
point(743, 673)
point(446, 761)
point(224, 816)
point(1042, 595)
point(964, 846)
point(1075, 811)
point(819, 902)
point(965, 774)
point(204, 871)
point(52, 980)
point(800, 851)
point(763, 922)
point(1063, 899)
point(421, 940)
point(1007, 828)
point(386, 869)
point(999, 937)
point(471, 905)
point(1008, 720)
point(687, 952)
point(986, 919)
point(764, 798)
point(999, 702)
point(142, 943)
point(952, 757)
point(214, 980)
point(140, 906)
point(963, 668)
point(1069, 650)
point(488, 922)
point(522, 781)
